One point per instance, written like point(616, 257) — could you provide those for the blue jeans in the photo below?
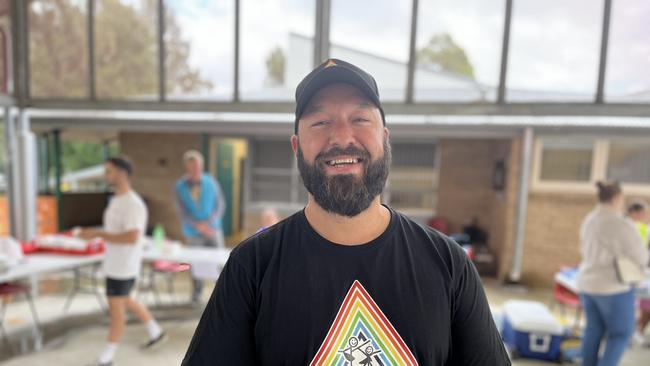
point(610, 317)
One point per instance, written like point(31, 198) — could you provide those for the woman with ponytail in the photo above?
point(606, 235)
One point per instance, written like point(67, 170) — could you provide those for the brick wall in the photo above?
point(158, 164)
point(552, 233)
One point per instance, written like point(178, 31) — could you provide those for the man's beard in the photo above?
point(345, 194)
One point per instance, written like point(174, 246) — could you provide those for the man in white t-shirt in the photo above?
point(125, 220)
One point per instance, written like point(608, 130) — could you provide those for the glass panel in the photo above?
point(58, 46)
point(273, 154)
point(200, 48)
point(271, 187)
point(628, 162)
point(126, 49)
point(374, 35)
point(554, 50)
point(83, 165)
point(459, 49)
point(566, 161)
point(5, 41)
point(412, 179)
point(628, 78)
point(275, 55)
point(272, 171)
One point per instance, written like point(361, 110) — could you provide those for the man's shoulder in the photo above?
point(414, 228)
point(259, 248)
point(423, 237)
point(209, 178)
point(136, 200)
point(179, 183)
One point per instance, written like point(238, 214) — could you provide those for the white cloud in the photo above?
point(475, 25)
point(381, 27)
point(628, 63)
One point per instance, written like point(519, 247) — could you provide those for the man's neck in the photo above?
point(121, 189)
point(194, 179)
point(360, 229)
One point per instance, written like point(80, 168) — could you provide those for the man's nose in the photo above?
point(342, 134)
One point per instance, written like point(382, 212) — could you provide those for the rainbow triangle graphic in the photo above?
point(361, 335)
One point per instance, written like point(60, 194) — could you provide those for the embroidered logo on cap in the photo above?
point(330, 63)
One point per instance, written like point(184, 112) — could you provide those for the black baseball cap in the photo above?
point(330, 72)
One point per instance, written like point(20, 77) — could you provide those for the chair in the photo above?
point(166, 269)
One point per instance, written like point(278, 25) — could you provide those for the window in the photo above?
point(126, 49)
point(277, 47)
point(413, 178)
point(458, 50)
point(83, 154)
point(566, 160)
point(58, 46)
point(200, 47)
point(554, 50)
point(628, 78)
point(628, 162)
point(374, 35)
point(574, 164)
point(274, 176)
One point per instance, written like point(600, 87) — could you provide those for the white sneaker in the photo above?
point(640, 340)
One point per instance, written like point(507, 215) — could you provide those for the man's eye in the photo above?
point(361, 119)
point(319, 123)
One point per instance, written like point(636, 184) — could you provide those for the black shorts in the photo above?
point(116, 287)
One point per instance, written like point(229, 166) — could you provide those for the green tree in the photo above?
point(79, 154)
point(126, 50)
point(180, 76)
point(57, 52)
point(443, 51)
point(126, 59)
point(275, 63)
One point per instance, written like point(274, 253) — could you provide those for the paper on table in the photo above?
point(205, 270)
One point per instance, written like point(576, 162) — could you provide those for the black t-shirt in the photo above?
point(288, 296)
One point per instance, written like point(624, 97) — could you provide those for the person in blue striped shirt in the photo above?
point(201, 205)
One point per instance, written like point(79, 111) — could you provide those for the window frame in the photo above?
point(599, 162)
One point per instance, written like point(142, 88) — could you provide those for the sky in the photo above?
point(554, 43)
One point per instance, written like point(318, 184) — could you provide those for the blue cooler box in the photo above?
point(531, 331)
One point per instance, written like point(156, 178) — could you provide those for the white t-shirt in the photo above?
point(125, 212)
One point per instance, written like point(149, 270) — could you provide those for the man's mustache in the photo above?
point(337, 151)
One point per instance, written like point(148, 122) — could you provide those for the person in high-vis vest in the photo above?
point(639, 212)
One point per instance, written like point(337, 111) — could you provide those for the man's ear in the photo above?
point(294, 144)
point(386, 133)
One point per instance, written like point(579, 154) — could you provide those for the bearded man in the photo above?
point(347, 280)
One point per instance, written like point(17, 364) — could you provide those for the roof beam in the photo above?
point(509, 109)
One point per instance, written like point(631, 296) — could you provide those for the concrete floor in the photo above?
point(78, 337)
